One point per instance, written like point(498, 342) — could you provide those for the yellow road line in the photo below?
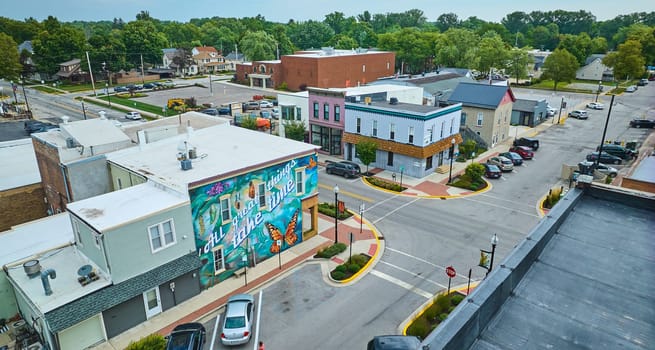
point(349, 194)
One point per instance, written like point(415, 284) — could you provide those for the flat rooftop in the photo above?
point(421, 111)
point(113, 209)
point(28, 239)
point(179, 123)
point(65, 261)
point(19, 167)
point(222, 151)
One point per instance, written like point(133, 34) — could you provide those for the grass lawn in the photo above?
point(46, 89)
point(131, 104)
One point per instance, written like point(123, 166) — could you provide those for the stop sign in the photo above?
point(450, 271)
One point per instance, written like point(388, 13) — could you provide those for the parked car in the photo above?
point(353, 164)
point(595, 105)
point(551, 111)
point(514, 157)
point(491, 171)
point(345, 170)
point(237, 322)
point(579, 114)
point(134, 87)
point(251, 105)
point(120, 89)
point(169, 83)
point(187, 336)
point(604, 157)
point(642, 82)
point(210, 111)
point(619, 151)
point(133, 115)
point(642, 123)
point(224, 111)
point(501, 162)
point(265, 114)
point(393, 342)
point(275, 112)
point(265, 104)
point(149, 86)
point(631, 88)
point(523, 151)
point(527, 141)
point(605, 169)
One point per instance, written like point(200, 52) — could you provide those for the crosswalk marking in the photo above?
point(402, 284)
point(412, 273)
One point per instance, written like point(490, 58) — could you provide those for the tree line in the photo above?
point(420, 45)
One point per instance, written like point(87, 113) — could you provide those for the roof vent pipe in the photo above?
point(46, 283)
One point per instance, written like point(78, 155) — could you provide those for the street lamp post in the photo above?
point(336, 213)
point(452, 154)
point(600, 86)
point(107, 92)
point(22, 83)
point(494, 242)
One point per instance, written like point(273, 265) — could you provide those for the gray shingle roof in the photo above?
point(106, 298)
point(479, 95)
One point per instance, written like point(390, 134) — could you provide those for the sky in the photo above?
point(302, 10)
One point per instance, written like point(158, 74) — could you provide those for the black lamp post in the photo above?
point(22, 83)
point(336, 213)
point(452, 154)
point(600, 86)
point(108, 95)
point(494, 242)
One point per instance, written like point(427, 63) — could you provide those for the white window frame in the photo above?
point(374, 132)
point(261, 195)
point(162, 236)
point(300, 180)
point(218, 248)
point(224, 205)
point(410, 135)
point(480, 119)
point(392, 131)
point(363, 68)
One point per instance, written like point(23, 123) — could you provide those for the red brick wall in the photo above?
point(52, 179)
point(20, 205)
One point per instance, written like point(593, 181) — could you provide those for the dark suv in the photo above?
point(187, 336)
point(343, 169)
point(619, 151)
point(393, 342)
point(527, 141)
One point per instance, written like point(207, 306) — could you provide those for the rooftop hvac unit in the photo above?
point(70, 142)
point(186, 164)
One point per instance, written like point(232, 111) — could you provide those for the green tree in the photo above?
point(457, 47)
point(518, 63)
point(363, 34)
point(339, 22)
point(310, 34)
point(258, 46)
point(413, 47)
point(10, 66)
point(342, 41)
point(365, 151)
point(578, 45)
point(474, 171)
point(544, 37)
point(492, 52)
point(598, 45)
point(516, 22)
point(108, 48)
point(446, 21)
point(560, 66)
point(142, 38)
point(294, 130)
point(628, 61)
point(62, 44)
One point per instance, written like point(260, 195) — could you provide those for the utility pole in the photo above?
point(143, 77)
point(93, 84)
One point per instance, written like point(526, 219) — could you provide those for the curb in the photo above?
point(413, 195)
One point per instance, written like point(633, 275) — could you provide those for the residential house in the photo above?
point(208, 60)
point(325, 68)
point(411, 139)
point(595, 70)
point(232, 59)
point(21, 192)
point(326, 109)
point(72, 72)
point(538, 59)
point(133, 257)
point(529, 112)
point(238, 207)
point(486, 110)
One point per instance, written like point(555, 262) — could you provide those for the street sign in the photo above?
point(450, 271)
point(278, 242)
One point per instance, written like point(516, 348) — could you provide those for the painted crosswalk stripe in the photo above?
point(402, 284)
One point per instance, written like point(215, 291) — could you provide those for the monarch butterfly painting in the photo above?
point(289, 236)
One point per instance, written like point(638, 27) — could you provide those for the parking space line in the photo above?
point(412, 273)
point(259, 312)
point(402, 284)
point(211, 346)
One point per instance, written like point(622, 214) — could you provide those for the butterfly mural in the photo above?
point(289, 236)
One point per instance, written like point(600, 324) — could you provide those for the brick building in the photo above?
point(325, 68)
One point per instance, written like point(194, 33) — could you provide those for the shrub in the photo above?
point(443, 316)
point(328, 209)
point(353, 268)
point(456, 299)
point(474, 171)
point(443, 302)
point(150, 342)
point(392, 186)
point(450, 309)
point(359, 259)
point(341, 268)
point(337, 275)
point(331, 250)
point(432, 312)
point(420, 328)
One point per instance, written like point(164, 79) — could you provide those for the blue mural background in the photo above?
point(251, 230)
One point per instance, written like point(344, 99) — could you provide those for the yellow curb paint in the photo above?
point(370, 261)
point(542, 213)
point(432, 301)
point(489, 187)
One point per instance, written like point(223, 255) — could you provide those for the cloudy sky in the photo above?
point(299, 10)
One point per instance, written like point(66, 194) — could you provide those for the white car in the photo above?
point(595, 105)
point(237, 321)
point(276, 113)
point(133, 116)
point(631, 88)
point(265, 104)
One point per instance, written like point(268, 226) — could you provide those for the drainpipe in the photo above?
point(63, 175)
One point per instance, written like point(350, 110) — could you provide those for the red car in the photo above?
point(523, 151)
